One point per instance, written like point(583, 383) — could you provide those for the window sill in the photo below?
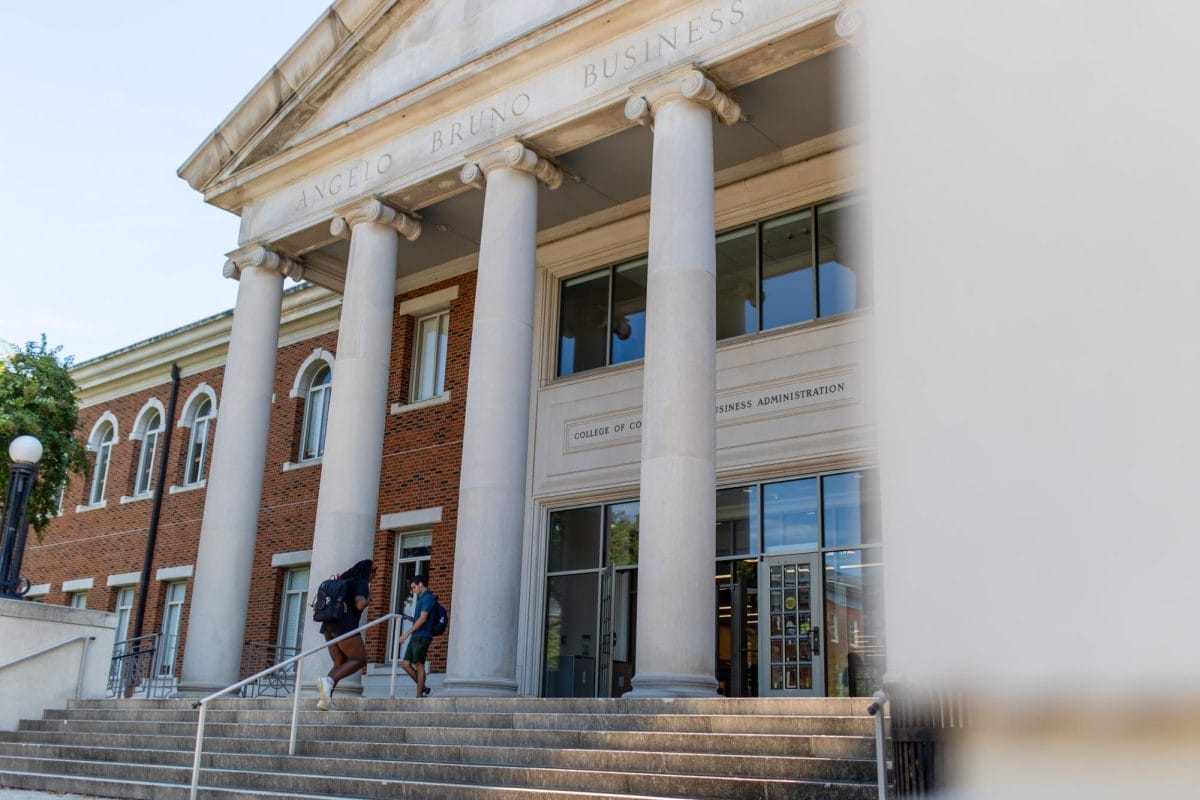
point(137, 498)
point(289, 466)
point(191, 487)
point(404, 408)
point(93, 507)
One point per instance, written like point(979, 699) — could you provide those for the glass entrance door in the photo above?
point(790, 639)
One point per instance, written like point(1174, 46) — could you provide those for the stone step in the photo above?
point(679, 723)
point(790, 706)
point(146, 790)
point(374, 779)
point(453, 759)
point(730, 744)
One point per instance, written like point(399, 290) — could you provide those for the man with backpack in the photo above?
point(338, 607)
point(428, 615)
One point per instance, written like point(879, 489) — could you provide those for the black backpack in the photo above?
point(331, 605)
point(438, 618)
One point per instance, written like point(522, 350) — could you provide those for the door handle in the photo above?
point(815, 637)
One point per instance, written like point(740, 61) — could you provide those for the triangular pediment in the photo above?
point(359, 56)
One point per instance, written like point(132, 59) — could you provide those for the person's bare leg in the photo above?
point(419, 677)
point(336, 654)
point(408, 668)
point(354, 658)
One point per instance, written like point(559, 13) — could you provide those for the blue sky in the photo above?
point(102, 102)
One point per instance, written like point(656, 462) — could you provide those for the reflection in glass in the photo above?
point(623, 534)
point(787, 275)
point(575, 539)
point(629, 312)
point(737, 521)
point(737, 283)
point(842, 242)
point(855, 652)
point(583, 323)
point(790, 515)
point(737, 628)
point(570, 655)
point(850, 509)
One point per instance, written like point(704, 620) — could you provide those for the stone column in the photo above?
point(217, 620)
point(676, 591)
point(348, 500)
point(491, 500)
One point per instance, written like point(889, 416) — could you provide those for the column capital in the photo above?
point(687, 84)
point(374, 209)
point(513, 154)
point(258, 256)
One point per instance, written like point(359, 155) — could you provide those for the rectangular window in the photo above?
point(146, 463)
point(804, 265)
point(78, 599)
point(291, 615)
point(198, 444)
point(123, 608)
point(172, 615)
point(429, 356)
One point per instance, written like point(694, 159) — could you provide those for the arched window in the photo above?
point(316, 414)
point(200, 417)
point(102, 441)
point(148, 429)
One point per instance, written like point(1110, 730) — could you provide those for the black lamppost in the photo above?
point(25, 452)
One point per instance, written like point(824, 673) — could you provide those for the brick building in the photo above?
point(519, 233)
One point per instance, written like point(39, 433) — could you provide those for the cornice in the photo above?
point(308, 311)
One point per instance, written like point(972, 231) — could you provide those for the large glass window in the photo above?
point(591, 601)
point(790, 515)
point(145, 469)
point(801, 266)
point(316, 414)
point(201, 417)
point(855, 657)
point(102, 443)
point(602, 318)
point(123, 608)
point(429, 356)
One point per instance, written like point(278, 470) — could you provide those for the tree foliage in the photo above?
point(37, 397)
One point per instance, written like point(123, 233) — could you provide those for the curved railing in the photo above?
point(202, 704)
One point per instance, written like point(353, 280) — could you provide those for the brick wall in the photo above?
point(420, 469)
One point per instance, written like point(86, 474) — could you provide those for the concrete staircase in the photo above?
point(453, 749)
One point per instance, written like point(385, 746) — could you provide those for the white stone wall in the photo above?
point(49, 681)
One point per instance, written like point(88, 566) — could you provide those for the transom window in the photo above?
point(801, 266)
point(102, 442)
point(198, 443)
point(429, 356)
point(145, 470)
point(316, 414)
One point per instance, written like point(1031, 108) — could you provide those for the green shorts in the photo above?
point(418, 646)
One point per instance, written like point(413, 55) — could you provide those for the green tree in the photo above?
point(37, 397)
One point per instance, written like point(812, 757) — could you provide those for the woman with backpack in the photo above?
point(349, 655)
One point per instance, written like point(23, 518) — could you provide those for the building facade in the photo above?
point(583, 333)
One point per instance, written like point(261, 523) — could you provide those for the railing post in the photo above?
point(199, 748)
point(876, 710)
point(395, 656)
point(82, 666)
point(295, 712)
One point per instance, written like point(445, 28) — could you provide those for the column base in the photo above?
point(478, 687)
point(673, 686)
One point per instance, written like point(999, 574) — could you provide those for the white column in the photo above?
point(676, 649)
point(491, 500)
point(217, 622)
point(348, 500)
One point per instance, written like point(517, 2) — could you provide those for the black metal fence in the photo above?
point(924, 723)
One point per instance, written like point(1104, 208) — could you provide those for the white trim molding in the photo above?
point(296, 558)
point(78, 585)
point(187, 418)
point(110, 418)
point(174, 573)
point(429, 303)
point(138, 431)
point(299, 386)
point(405, 520)
point(404, 408)
point(125, 579)
point(38, 590)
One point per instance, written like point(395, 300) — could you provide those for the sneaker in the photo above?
point(425, 692)
point(325, 690)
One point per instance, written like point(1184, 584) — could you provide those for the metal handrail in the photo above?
point(82, 657)
point(202, 704)
point(880, 699)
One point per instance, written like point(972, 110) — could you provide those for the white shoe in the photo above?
point(325, 690)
